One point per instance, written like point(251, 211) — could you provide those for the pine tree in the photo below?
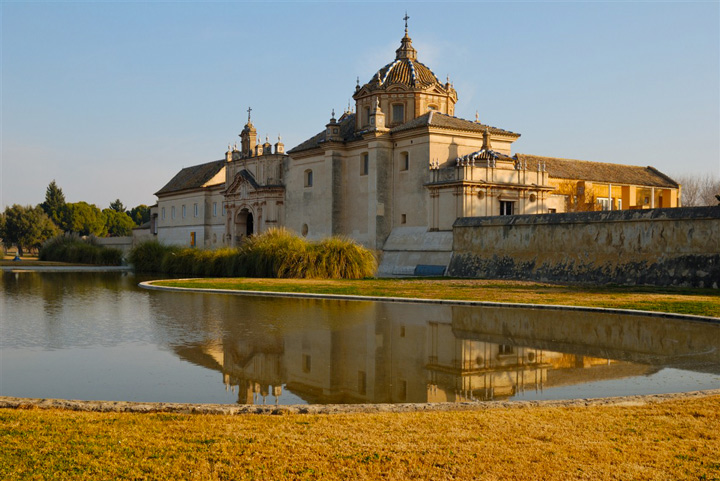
point(55, 205)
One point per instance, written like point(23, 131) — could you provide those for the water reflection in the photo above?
point(97, 336)
point(351, 352)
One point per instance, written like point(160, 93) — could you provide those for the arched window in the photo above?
point(308, 178)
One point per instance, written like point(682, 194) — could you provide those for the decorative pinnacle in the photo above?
point(477, 117)
point(406, 19)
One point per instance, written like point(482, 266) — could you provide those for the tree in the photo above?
point(117, 206)
point(140, 214)
point(54, 205)
point(85, 219)
point(26, 227)
point(698, 189)
point(118, 223)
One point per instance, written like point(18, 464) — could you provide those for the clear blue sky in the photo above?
point(112, 99)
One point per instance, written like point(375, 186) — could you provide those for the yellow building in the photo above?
point(589, 186)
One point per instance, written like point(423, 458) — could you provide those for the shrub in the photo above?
point(70, 247)
point(342, 258)
point(275, 253)
point(148, 256)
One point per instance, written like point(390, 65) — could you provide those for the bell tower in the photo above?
point(248, 137)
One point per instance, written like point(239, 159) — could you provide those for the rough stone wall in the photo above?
point(662, 247)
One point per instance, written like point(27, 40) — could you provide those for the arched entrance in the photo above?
point(244, 224)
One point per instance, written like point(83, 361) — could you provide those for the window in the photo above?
point(398, 113)
point(224, 210)
point(172, 212)
point(366, 116)
point(552, 211)
point(364, 164)
point(308, 178)
point(604, 203)
point(504, 349)
point(183, 211)
point(192, 239)
point(403, 218)
point(196, 209)
point(402, 331)
point(163, 213)
point(506, 207)
point(404, 161)
point(432, 107)
point(214, 209)
point(306, 363)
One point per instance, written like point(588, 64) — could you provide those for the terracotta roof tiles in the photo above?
point(192, 177)
point(599, 171)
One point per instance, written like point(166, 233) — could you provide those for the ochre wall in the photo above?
point(679, 246)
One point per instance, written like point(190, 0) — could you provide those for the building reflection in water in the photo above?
point(366, 352)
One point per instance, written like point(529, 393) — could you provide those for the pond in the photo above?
point(97, 336)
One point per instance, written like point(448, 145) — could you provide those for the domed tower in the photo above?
point(404, 89)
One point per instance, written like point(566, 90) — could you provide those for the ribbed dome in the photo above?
point(404, 70)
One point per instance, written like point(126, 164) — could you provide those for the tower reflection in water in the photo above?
point(323, 351)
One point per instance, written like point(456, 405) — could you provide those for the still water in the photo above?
point(98, 336)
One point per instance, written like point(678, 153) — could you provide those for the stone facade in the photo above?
point(657, 247)
point(394, 173)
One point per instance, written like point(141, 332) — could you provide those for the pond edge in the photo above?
point(416, 300)
point(325, 409)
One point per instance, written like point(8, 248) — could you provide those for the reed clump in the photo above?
point(70, 247)
point(276, 253)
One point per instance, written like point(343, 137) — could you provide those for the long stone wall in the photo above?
point(662, 247)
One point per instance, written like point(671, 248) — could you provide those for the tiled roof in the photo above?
point(404, 71)
point(192, 177)
point(347, 133)
point(599, 171)
point(437, 119)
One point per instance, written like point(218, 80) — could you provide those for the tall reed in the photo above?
point(275, 253)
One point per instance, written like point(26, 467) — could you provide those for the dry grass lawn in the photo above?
point(676, 439)
point(703, 302)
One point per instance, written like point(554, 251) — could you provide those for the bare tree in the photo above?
point(698, 189)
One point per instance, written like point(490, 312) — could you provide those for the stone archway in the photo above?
point(244, 224)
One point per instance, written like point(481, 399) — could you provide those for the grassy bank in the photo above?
point(702, 302)
point(676, 439)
